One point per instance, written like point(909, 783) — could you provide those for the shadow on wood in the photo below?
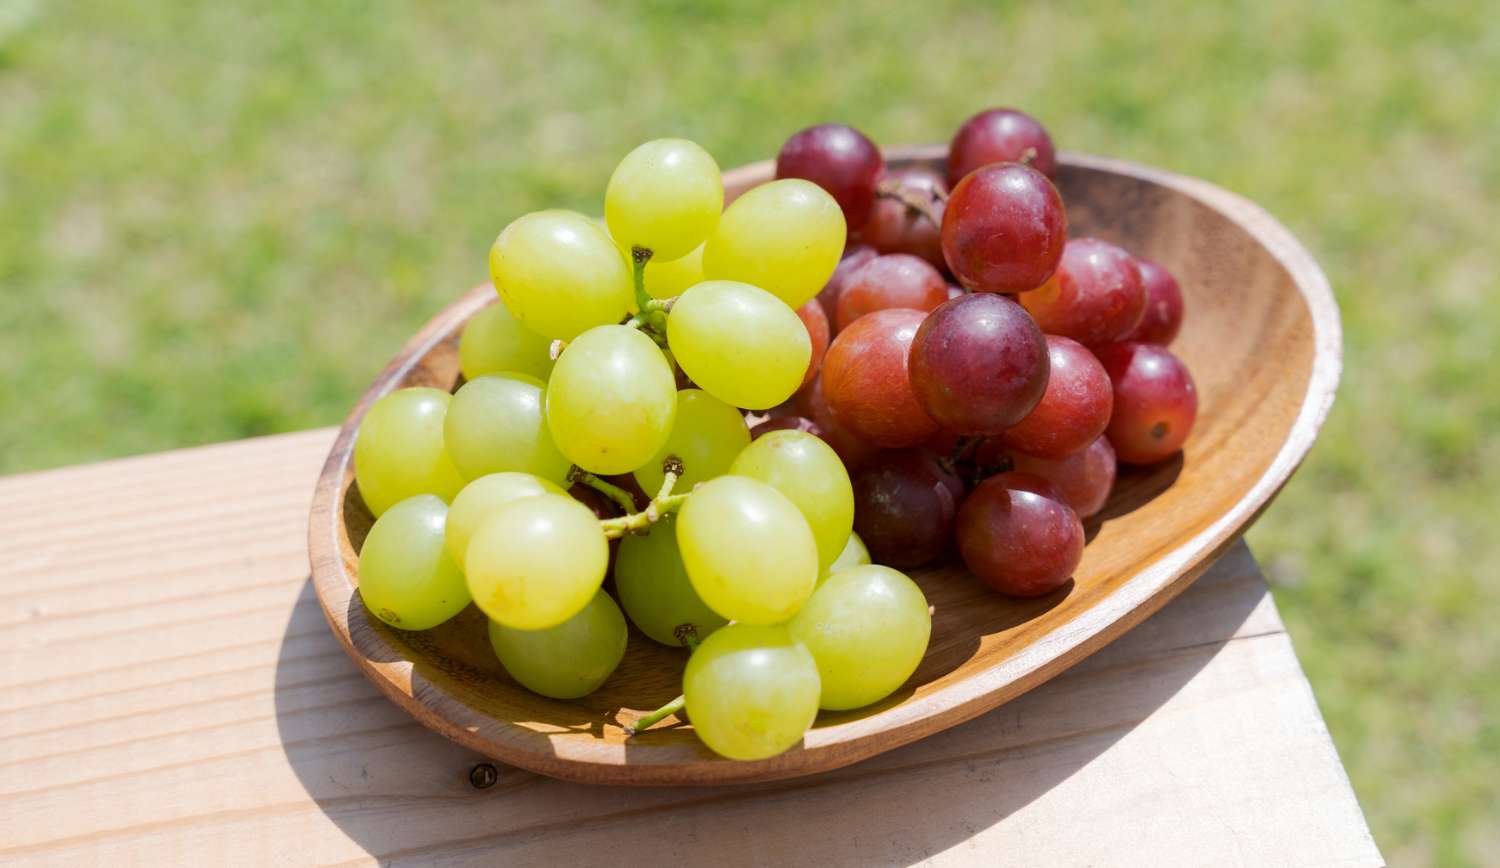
point(399, 790)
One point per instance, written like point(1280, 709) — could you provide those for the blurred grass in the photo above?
point(220, 222)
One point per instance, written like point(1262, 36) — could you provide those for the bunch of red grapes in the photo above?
point(980, 373)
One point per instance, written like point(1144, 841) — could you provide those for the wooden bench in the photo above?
point(170, 695)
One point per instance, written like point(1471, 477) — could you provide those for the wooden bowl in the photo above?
point(1262, 339)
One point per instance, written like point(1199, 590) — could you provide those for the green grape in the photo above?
point(569, 660)
point(498, 423)
point(611, 400)
point(560, 274)
point(482, 497)
point(810, 474)
point(747, 549)
point(751, 691)
point(655, 589)
point(407, 578)
point(672, 278)
point(739, 343)
point(867, 627)
point(854, 554)
point(495, 342)
point(399, 452)
point(706, 434)
point(785, 237)
point(535, 562)
point(665, 196)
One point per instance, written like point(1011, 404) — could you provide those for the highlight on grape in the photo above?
point(753, 418)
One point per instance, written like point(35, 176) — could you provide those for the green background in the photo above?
point(217, 222)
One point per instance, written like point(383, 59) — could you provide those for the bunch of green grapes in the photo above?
point(626, 354)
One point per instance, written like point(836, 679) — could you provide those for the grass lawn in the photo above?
point(219, 220)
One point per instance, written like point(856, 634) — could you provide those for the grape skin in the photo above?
point(666, 197)
point(748, 550)
point(895, 227)
point(1018, 534)
point(866, 384)
point(498, 423)
point(854, 554)
point(854, 256)
point(611, 400)
point(535, 562)
point(785, 237)
point(751, 691)
point(399, 451)
point(407, 578)
point(1084, 478)
point(739, 343)
point(893, 280)
point(1004, 229)
point(818, 333)
point(1163, 317)
point(482, 497)
point(569, 660)
point(810, 474)
point(867, 627)
point(812, 404)
point(1095, 297)
point(560, 274)
point(1000, 135)
point(1075, 409)
point(654, 587)
point(904, 508)
point(978, 364)
point(841, 160)
point(670, 279)
point(706, 435)
point(1156, 402)
point(494, 342)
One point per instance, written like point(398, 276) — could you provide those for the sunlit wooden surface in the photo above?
point(171, 695)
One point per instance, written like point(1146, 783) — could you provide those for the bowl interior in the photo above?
point(1249, 339)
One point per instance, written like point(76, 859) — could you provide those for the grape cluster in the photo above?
point(731, 412)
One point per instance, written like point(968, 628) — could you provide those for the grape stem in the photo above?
point(657, 716)
point(687, 634)
point(652, 318)
point(891, 188)
point(625, 499)
point(663, 503)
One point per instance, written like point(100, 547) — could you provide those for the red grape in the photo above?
point(1000, 135)
point(1004, 229)
point(894, 280)
point(895, 227)
point(866, 383)
point(816, 323)
point(1155, 401)
point(1084, 478)
point(811, 403)
point(904, 506)
point(841, 160)
point(978, 364)
point(1073, 411)
point(789, 423)
point(1095, 297)
point(1018, 534)
point(854, 257)
point(1163, 305)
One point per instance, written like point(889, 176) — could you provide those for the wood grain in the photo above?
point(1262, 339)
point(166, 699)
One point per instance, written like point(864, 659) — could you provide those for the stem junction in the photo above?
point(663, 503)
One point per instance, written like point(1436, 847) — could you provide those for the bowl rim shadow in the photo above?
point(846, 742)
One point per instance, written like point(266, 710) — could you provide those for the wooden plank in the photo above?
point(164, 700)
